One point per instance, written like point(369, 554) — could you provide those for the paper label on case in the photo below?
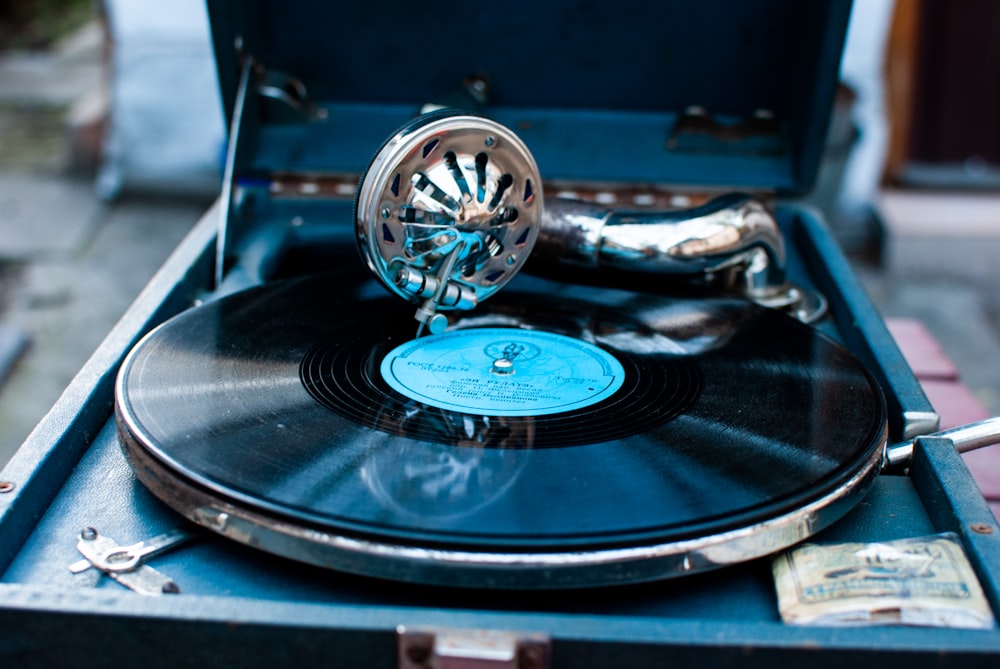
point(921, 581)
point(503, 372)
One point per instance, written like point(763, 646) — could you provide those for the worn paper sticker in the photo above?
point(923, 581)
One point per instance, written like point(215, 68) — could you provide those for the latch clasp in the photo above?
point(471, 649)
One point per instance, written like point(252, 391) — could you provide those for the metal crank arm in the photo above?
point(965, 438)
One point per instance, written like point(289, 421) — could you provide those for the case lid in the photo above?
point(702, 93)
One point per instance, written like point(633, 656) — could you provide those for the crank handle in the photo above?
point(965, 438)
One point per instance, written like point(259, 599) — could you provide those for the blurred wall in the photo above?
point(166, 129)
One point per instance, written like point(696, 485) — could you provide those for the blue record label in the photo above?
point(503, 372)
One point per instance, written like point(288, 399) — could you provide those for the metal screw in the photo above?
point(418, 654)
point(531, 657)
point(437, 323)
point(981, 528)
point(490, 140)
point(416, 649)
point(6, 486)
point(88, 534)
point(385, 212)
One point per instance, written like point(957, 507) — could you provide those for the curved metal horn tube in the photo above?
point(732, 239)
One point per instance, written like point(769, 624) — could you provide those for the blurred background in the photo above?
point(111, 144)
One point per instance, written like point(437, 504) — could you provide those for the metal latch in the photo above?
point(125, 563)
point(471, 649)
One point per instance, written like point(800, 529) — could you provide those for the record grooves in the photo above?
point(737, 431)
point(343, 376)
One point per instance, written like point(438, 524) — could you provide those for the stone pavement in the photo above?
point(70, 264)
point(940, 272)
point(941, 267)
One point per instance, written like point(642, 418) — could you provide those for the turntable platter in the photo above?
point(630, 437)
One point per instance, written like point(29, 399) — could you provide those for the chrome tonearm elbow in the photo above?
point(451, 208)
point(732, 241)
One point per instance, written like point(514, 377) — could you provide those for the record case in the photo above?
point(597, 87)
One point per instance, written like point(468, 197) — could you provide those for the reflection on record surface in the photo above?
point(725, 415)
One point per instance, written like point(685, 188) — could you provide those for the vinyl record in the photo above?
point(554, 437)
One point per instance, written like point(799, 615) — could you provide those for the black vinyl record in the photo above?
point(730, 432)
